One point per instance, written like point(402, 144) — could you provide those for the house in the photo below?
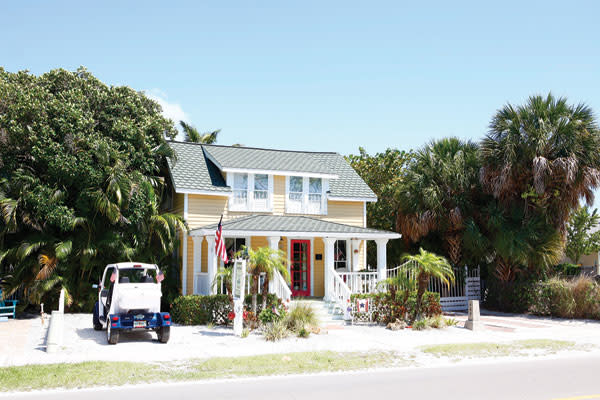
point(311, 205)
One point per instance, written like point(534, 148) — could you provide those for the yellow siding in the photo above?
point(190, 265)
point(258, 241)
point(318, 269)
point(205, 210)
point(345, 212)
point(278, 195)
point(204, 258)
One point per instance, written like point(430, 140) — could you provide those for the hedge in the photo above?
point(201, 310)
point(400, 305)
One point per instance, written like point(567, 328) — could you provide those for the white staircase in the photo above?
point(327, 312)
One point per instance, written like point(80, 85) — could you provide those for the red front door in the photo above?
point(300, 267)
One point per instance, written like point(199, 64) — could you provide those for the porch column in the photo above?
point(197, 260)
point(355, 254)
point(212, 264)
point(274, 242)
point(381, 259)
point(274, 245)
point(329, 266)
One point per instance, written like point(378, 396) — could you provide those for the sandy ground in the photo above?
point(22, 341)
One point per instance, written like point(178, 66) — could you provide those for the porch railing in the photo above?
point(340, 293)
point(279, 287)
point(360, 282)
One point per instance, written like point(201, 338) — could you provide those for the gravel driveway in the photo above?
point(82, 343)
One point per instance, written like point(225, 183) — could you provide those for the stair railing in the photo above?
point(280, 288)
point(341, 294)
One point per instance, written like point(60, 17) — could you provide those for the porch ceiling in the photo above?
point(296, 226)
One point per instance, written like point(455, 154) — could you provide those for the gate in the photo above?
point(455, 297)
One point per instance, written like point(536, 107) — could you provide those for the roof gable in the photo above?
point(194, 169)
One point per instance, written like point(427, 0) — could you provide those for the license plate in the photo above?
point(139, 324)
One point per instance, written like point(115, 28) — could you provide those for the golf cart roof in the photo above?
point(128, 265)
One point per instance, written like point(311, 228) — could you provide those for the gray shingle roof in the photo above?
point(266, 159)
point(288, 223)
point(193, 169)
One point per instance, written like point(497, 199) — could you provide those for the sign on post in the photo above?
point(238, 287)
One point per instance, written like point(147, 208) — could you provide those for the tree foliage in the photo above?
point(543, 156)
point(80, 181)
point(582, 234)
point(383, 173)
point(438, 193)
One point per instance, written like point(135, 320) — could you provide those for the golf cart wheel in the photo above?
point(96, 318)
point(163, 333)
point(112, 335)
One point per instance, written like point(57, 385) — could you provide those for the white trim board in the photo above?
point(361, 199)
point(300, 234)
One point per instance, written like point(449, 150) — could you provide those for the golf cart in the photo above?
point(129, 299)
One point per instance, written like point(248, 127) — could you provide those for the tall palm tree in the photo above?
point(425, 266)
point(265, 260)
point(437, 193)
point(543, 155)
point(193, 135)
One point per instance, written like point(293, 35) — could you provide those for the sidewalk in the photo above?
point(82, 343)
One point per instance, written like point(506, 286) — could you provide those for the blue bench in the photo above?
point(8, 308)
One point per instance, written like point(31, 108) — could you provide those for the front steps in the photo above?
point(328, 313)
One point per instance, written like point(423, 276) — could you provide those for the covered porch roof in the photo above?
point(288, 225)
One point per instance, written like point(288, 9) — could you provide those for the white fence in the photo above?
point(453, 297)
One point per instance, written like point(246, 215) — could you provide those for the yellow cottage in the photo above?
point(311, 205)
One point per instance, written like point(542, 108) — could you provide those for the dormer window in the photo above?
point(250, 192)
point(305, 195)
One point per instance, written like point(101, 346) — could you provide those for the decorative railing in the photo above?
point(220, 284)
point(360, 282)
point(340, 293)
point(279, 287)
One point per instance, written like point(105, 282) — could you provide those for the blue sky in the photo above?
point(320, 75)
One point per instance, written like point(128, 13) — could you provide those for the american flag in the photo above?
point(160, 277)
point(220, 243)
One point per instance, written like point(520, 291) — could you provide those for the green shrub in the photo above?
point(200, 310)
point(303, 333)
point(245, 333)
point(275, 331)
point(421, 324)
point(301, 316)
point(437, 322)
point(451, 322)
point(567, 298)
point(267, 315)
point(392, 305)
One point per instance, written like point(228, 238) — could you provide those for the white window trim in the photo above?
point(305, 193)
point(248, 245)
point(250, 206)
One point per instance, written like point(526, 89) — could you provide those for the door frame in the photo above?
point(311, 259)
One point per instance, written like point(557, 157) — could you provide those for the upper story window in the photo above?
point(305, 195)
point(250, 192)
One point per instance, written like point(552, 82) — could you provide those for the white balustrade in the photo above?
point(360, 282)
point(340, 293)
point(280, 287)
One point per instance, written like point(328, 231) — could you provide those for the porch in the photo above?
point(320, 254)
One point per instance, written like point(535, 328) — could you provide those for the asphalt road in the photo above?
point(572, 379)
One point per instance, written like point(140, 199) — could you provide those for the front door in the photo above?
point(300, 267)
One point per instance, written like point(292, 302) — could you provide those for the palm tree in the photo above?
point(437, 192)
point(425, 266)
point(265, 260)
point(544, 156)
point(193, 135)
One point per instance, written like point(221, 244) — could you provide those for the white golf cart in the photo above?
point(129, 299)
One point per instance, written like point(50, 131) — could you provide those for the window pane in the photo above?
point(240, 181)
point(314, 185)
point(340, 254)
point(261, 182)
point(295, 184)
